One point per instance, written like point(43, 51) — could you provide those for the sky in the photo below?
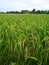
point(18, 5)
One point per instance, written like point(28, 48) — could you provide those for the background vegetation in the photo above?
point(34, 11)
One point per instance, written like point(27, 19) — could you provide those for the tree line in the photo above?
point(34, 11)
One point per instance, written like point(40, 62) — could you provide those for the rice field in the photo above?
point(24, 39)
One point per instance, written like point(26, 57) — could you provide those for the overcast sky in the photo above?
point(9, 5)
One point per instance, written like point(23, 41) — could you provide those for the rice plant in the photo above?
point(24, 39)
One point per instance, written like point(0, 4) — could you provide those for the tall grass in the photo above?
point(24, 39)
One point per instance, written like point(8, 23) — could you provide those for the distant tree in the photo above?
point(44, 12)
point(14, 12)
point(34, 11)
point(38, 11)
point(17, 12)
point(10, 12)
point(2, 12)
point(48, 11)
point(25, 12)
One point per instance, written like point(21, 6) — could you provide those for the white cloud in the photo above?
point(6, 5)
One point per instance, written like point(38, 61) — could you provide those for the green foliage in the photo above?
point(24, 39)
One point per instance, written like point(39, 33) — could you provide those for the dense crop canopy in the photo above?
point(24, 39)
